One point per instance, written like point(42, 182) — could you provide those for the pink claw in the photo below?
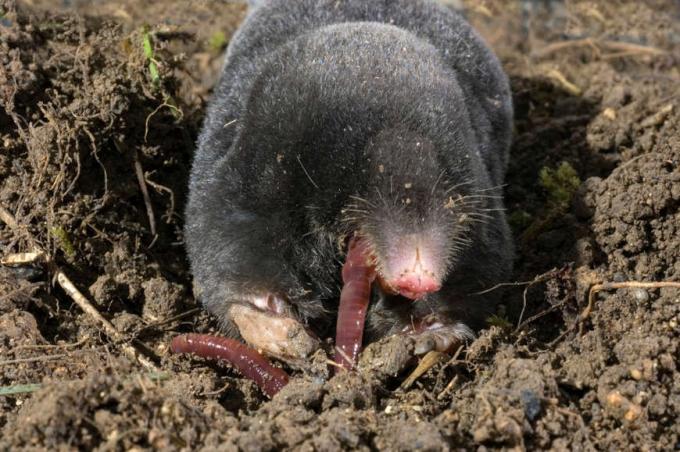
point(248, 361)
point(357, 275)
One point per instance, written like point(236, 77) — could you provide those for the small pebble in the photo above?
point(531, 403)
point(619, 277)
point(641, 295)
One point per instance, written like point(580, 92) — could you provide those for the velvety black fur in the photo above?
point(332, 116)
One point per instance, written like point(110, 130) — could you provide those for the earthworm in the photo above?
point(248, 361)
point(357, 275)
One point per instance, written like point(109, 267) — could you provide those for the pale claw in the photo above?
point(434, 340)
point(437, 336)
point(274, 334)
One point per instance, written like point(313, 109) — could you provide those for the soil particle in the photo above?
point(162, 299)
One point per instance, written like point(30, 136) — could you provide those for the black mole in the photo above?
point(390, 119)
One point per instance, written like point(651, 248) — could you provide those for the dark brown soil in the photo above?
point(596, 84)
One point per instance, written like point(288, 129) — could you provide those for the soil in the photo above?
point(86, 110)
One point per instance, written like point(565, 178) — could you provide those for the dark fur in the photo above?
point(325, 110)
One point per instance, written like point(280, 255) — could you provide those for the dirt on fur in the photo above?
point(100, 106)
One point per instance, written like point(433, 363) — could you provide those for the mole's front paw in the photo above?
point(274, 333)
point(432, 334)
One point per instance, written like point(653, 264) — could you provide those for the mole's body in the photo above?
point(390, 119)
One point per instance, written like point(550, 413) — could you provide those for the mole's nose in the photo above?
point(415, 280)
point(416, 283)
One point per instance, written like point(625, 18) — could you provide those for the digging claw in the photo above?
point(436, 336)
point(275, 335)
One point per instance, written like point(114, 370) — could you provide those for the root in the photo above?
point(658, 117)
point(162, 188)
point(617, 48)
point(594, 289)
point(562, 80)
point(621, 285)
point(529, 284)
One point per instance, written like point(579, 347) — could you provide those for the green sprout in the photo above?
point(150, 56)
point(499, 321)
point(561, 184)
point(217, 41)
point(64, 241)
point(519, 219)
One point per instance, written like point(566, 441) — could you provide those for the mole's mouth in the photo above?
point(413, 285)
point(408, 268)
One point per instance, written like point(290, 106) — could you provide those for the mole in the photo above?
point(386, 122)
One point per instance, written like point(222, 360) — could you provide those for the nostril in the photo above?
point(415, 285)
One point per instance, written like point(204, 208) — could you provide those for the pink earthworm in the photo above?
point(357, 275)
point(248, 361)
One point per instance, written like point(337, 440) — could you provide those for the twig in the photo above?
point(8, 218)
point(566, 84)
point(139, 171)
point(73, 292)
point(110, 330)
point(448, 387)
point(452, 383)
point(18, 259)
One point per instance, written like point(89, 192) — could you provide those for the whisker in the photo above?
point(362, 200)
point(437, 182)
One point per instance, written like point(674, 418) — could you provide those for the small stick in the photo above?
point(18, 259)
point(566, 84)
point(454, 360)
point(110, 330)
point(139, 171)
point(448, 387)
point(8, 218)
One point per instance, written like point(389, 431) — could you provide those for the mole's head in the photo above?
point(415, 213)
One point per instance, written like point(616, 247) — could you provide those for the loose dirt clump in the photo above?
point(100, 105)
